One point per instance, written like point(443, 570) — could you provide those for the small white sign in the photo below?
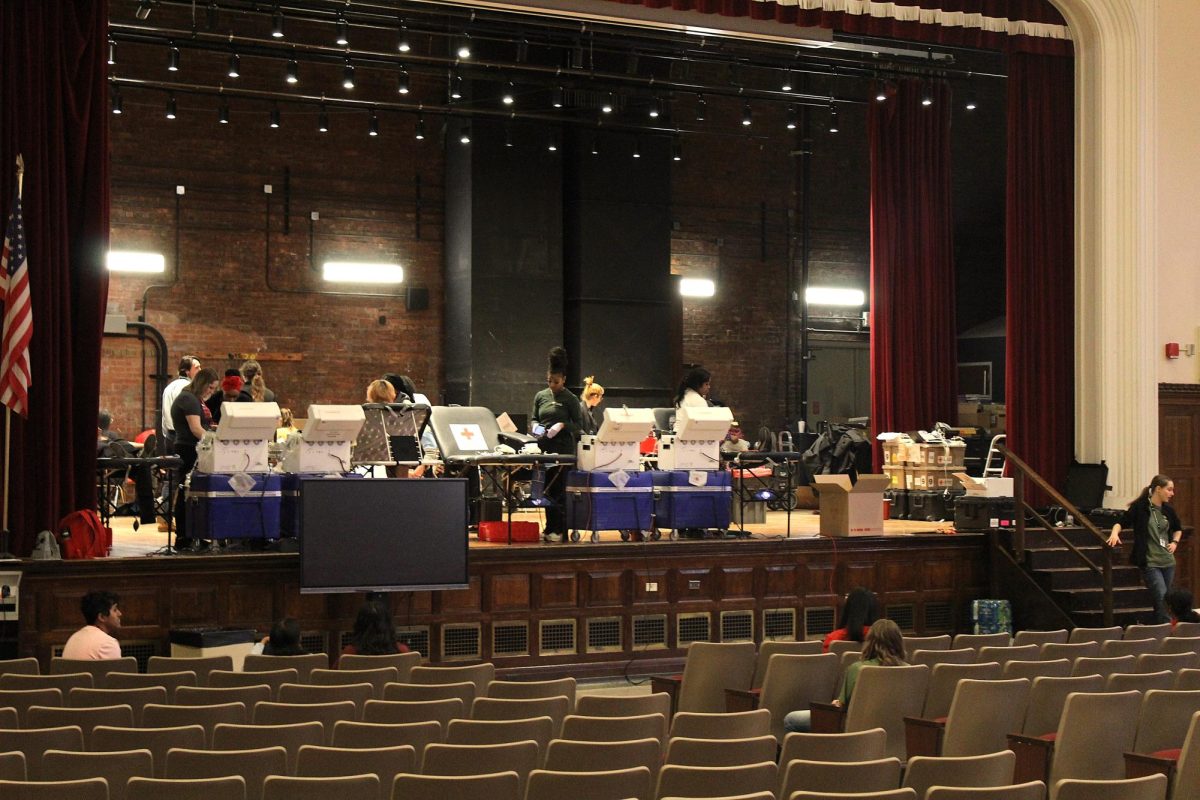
point(468, 437)
point(698, 477)
point(619, 478)
point(241, 483)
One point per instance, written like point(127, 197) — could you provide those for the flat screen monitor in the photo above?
point(383, 534)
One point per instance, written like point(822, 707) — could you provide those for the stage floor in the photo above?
point(804, 523)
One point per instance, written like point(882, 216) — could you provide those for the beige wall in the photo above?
point(1177, 227)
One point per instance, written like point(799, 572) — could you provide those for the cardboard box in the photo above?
point(851, 510)
point(985, 487)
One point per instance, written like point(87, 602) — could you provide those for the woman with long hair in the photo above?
point(284, 639)
point(693, 389)
point(858, 615)
point(191, 419)
point(373, 633)
point(1156, 536)
point(883, 647)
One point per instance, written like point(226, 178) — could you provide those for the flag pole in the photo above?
point(4, 532)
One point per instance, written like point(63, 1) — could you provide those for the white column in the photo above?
point(1116, 390)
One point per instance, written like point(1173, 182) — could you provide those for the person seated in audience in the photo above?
point(734, 443)
point(884, 647)
point(373, 633)
point(858, 615)
point(283, 641)
point(96, 641)
point(287, 425)
point(1180, 603)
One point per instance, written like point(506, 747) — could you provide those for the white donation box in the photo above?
point(696, 443)
point(239, 444)
point(615, 445)
point(324, 444)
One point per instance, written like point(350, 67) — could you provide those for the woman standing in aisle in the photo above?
point(1156, 537)
point(559, 415)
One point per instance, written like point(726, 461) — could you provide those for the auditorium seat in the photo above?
point(1129, 647)
point(344, 787)
point(484, 759)
point(328, 714)
point(9, 717)
point(1058, 668)
point(97, 668)
point(116, 767)
point(868, 745)
point(290, 736)
point(990, 769)
point(579, 728)
point(530, 690)
point(677, 781)
point(479, 674)
point(19, 666)
point(603, 705)
point(1139, 681)
point(12, 767)
point(738, 725)
point(85, 718)
point(720, 752)
point(402, 662)
point(799, 775)
point(136, 680)
point(366, 735)
point(492, 708)
point(1079, 635)
point(158, 741)
point(770, 647)
point(473, 731)
point(839, 646)
point(1040, 637)
point(221, 679)
point(309, 695)
point(914, 643)
point(930, 658)
point(137, 699)
point(207, 717)
point(791, 683)
point(1154, 662)
point(219, 695)
point(1164, 719)
point(21, 700)
point(755, 796)
point(943, 681)
point(978, 640)
point(1033, 790)
point(385, 763)
point(498, 786)
point(883, 697)
point(90, 789)
point(64, 683)
point(399, 711)
point(415, 692)
point(252, 765)
point(1047, 697)
point(617, 784)
point(1003, 655)
point(232, 787)
point(303, 664)
point(1184, 630)
point(1150, 787)
point(1071, 651)
point(710, 669)
point(567, 756)
point(1180, 644)
point(32, 742)
point(1103, 666)
point(377, 678)
point(201, 666)
point(981, 716)
point(1093, 733)
point(1157, 631)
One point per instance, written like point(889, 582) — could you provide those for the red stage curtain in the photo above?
point(1033, 11)
point(53, 107)
point(913, 356)
point(1040, 374)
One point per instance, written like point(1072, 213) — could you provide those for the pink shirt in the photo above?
point(91, 644)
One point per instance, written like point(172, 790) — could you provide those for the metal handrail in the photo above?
point(1023, 471)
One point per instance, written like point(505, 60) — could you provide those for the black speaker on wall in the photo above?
point(416, 299)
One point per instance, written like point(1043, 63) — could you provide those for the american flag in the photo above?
point(18, 315)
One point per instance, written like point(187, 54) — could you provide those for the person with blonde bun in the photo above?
point(593, 394)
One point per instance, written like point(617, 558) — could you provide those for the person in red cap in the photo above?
point(231, 386)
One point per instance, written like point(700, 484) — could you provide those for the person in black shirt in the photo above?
point(191, 418)
point(557, 410)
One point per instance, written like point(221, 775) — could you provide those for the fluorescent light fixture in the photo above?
point(362, 272)
point(697, 287)
point(132, 261)
point(825, 296)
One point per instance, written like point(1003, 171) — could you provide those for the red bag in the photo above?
point(82, 535)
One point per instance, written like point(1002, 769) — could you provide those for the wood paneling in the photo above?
point(1179, 458)
point(528, 583)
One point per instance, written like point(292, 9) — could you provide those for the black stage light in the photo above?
point(171, 106)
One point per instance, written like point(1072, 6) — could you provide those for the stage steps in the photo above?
point(1076, 589)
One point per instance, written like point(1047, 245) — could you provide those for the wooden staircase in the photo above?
point(1075, 588)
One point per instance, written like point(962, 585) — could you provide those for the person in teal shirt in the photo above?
point(883, 647)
